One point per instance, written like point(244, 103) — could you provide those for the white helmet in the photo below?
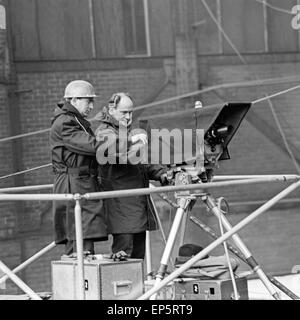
point(79, 89)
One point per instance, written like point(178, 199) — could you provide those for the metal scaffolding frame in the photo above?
point(235, 180)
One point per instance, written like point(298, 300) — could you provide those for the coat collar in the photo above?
point(68, 108)
point(104, 117)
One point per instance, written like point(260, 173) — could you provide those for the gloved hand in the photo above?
point(164, 179)
point(120, 255)
point(206, 176)
point(139, 137)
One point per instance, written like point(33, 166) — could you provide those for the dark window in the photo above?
point(134, 27)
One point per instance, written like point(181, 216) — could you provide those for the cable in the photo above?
point(26, 171)
point(268, 81)
point(253, 102)
point(291, 154)
point(222, 31)
point(24, 135)
point(275, 94)
point(273, 7)
point(257, 78)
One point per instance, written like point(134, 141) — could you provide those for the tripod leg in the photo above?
point(237, 253)
point(210, 203)
point(160, 226)
point(183, 227)
point(183, 204)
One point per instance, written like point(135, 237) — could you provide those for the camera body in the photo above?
point(214, 128)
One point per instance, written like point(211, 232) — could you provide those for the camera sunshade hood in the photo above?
point(209, 119)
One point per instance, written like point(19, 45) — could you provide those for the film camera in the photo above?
point(212, 127)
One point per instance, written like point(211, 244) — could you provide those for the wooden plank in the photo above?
point(24, 31)
point(243, 22)
point(109, 28)
point(282, 37)
point(64, 29)
point(207, 34)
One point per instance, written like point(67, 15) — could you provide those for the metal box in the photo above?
point(104, 279)
point(166, 293)
point(194, 289)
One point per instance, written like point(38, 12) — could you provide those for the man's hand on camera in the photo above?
point(164, 179)
point(120, 256)
point(139, 137)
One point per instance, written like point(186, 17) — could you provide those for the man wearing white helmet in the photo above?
point(73, 149)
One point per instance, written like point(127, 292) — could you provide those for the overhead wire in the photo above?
point(253, 102)
point(268, 81)
point(273, 7)
point(25, 171)
point(23, 135)
point(257, 81)
point(257, 78)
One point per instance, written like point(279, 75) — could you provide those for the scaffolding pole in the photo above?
point(217, 242)
point(79, 247)
point(134, 192)
point(197, 186)
point(215, 178)
point(29, 261)
point(19, 282)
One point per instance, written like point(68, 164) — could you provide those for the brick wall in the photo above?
point(7, 214)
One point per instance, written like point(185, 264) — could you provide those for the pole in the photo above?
point(26, 188)
point(203, 186)
point(183, 204)
point(148, 256)
point(79, 247)
point(159, 222)
point(217, 242)
point(213, 234)
point(19, 282)
point(34, 197)
point(29, 261)
point(210, 203)
point(234, 177)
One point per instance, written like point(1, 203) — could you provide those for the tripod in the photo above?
point(186, 201)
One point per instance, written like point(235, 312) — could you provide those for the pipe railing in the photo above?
point(29, 261)
point(215, 178)
point(135, 192)
point(188, 187)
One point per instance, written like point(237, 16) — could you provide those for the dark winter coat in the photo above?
point(128, 214)
point(73, 149)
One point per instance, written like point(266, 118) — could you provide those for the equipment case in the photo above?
point(104, 279)
point(195, 289)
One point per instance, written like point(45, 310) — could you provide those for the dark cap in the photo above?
point(189, 250)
